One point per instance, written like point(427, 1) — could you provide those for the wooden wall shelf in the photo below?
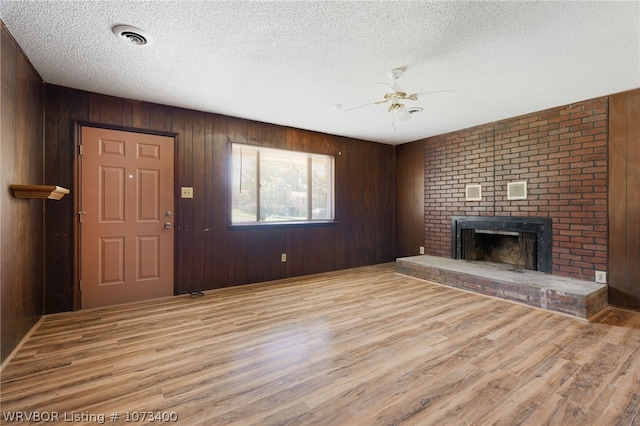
point(51, 192)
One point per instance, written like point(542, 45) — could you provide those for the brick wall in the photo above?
point(560, 152)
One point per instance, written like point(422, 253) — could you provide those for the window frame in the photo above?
point(308, 221)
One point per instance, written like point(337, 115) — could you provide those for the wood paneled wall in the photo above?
point(21, 162)
point(624, 199)
point(409, 198)
point(209, 254)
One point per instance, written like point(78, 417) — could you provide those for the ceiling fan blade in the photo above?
point(416, 96)
point(386, 87)
point(360, 106)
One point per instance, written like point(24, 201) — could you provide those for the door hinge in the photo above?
point(79, 149)
point(80, 214)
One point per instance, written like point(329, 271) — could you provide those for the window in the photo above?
point(275, 185)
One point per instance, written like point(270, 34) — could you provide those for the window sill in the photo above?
point(280, 225)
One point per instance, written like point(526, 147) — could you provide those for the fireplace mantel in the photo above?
point(537, 225)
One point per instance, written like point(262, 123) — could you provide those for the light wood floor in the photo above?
point(359, 347)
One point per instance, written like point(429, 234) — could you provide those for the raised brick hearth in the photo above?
point(582, 299)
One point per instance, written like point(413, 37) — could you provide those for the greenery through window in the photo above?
point(275, 185)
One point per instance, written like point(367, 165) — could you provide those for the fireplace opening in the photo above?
point(523, 242)
point(514, 248)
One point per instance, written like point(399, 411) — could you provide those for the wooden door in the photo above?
point(126, 217)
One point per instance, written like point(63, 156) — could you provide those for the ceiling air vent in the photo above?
point(517, 190)
point(131, 35)
point(473, 192)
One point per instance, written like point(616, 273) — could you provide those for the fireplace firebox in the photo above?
point(524, 242)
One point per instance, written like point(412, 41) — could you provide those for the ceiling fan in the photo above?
point(396, 99)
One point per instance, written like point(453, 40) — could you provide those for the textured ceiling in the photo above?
point(290, 63)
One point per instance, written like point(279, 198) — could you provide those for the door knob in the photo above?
point(168, 225)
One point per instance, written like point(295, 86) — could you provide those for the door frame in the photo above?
point(77, 184)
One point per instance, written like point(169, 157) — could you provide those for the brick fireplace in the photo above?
point(561, 154)
point(523, 242)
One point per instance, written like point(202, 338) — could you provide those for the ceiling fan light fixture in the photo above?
point(395, 107)
point(131, 35)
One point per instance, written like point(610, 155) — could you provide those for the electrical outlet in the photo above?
point(186, 192)
point(283, 257)
point(421, 250)
point(601, 277)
